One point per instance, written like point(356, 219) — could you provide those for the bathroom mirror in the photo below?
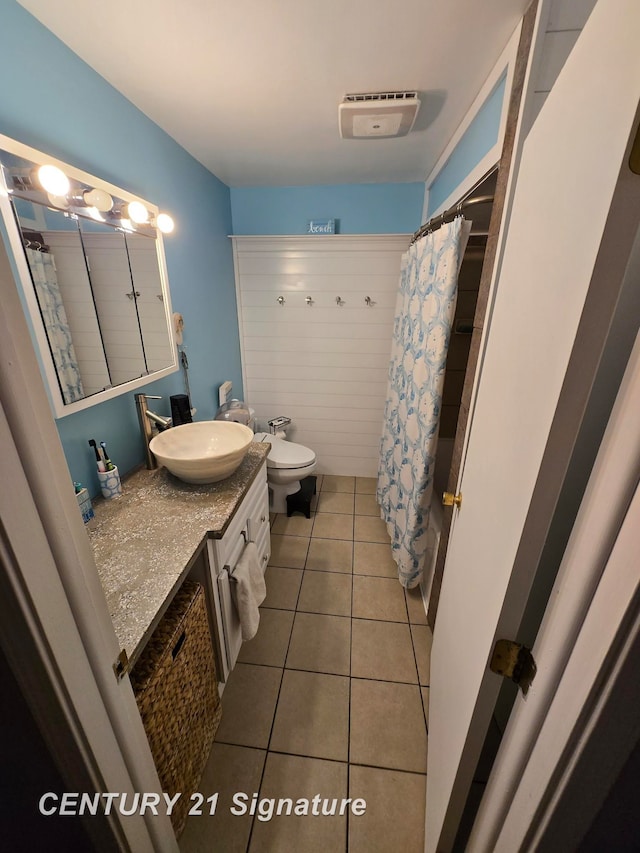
point(91, 263)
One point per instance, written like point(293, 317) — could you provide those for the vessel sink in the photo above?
point(204, 451)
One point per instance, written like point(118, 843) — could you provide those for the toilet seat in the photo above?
point(286, 454)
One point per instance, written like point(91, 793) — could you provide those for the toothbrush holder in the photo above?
point(110, 484)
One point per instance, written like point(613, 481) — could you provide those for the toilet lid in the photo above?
point(286, 454)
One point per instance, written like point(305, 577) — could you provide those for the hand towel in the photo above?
point(250, 590)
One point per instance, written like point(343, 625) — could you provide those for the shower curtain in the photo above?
point(424, 314)
point(54, 317)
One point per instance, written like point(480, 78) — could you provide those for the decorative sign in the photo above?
point(321, 226)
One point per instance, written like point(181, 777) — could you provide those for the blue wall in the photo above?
point(478, 139)
point(358, 208)
point(54, 102)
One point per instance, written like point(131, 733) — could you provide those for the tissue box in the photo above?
point(84, 502)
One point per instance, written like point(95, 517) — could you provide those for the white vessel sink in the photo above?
point(202, 452)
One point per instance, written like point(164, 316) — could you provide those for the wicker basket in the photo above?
point(177, 693)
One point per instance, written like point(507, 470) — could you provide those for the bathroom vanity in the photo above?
point(162, 531)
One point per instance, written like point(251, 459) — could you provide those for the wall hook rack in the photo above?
point(369, 301)
point(339, 301)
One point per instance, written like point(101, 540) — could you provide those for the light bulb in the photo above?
point(53, 180)
point(100, 199)
point(127, 224)
point(60, 201)
point(138, 213)
point(164, 223)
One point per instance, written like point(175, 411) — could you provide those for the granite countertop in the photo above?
point(145, 540)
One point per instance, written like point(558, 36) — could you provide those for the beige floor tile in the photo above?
point(320, 643)
point(425, 704)
point(332, 525)
point(367, 505)
point(422, 639)
point(394, 819)
point(387, 726)
point(330, 555)
point(229, 769)
point(269, 646)
point(283, 586)
point(382, 650)
point(295, 525)
point(336, 502)
point(312, 717)
point(378, 598)
point(332, 483)
point(366, 485)
point(248, 705)
point(295, 777)
point(374, 558)
point(369, 529)
point(326, 592)
point(415, 605)
point(288, 551)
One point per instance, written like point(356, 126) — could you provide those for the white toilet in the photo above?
point(287, 464)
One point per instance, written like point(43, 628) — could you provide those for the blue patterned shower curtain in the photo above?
point(54, 318)
point(424, 315)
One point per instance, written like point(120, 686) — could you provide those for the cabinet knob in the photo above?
point(265, 558)
point(263, 519)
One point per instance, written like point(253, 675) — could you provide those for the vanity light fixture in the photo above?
point(53, 180)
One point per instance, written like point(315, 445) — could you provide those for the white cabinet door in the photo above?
point(568, 174)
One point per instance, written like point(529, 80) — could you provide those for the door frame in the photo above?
point(566, 743)
point(507, 169)
point(615, 239)
point(55, 628)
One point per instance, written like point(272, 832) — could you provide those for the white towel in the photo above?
point(250, 590)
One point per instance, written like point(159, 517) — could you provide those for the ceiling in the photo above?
point(251, 89)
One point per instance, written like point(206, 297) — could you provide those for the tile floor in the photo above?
point(330, 697)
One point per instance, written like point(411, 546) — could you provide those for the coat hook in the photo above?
point(308, 300)
point(339, 301)
point(369, 301)
point(281, 300)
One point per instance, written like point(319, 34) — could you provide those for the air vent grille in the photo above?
point(380, 96)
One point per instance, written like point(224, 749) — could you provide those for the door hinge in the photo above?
point(121, 666)
point(514, 661)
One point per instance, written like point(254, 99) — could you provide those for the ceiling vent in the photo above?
point(377, 115)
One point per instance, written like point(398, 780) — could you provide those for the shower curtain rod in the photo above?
point(448, 215)
point(456, 209)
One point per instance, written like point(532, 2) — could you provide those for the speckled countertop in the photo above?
point(145, 541)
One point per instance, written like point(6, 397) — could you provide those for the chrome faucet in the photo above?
point(145, 418)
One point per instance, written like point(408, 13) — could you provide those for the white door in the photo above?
point(565, 186)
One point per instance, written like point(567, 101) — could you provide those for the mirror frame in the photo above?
point(60, 408)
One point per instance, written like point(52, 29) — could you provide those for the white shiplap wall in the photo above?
point(323, 365)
